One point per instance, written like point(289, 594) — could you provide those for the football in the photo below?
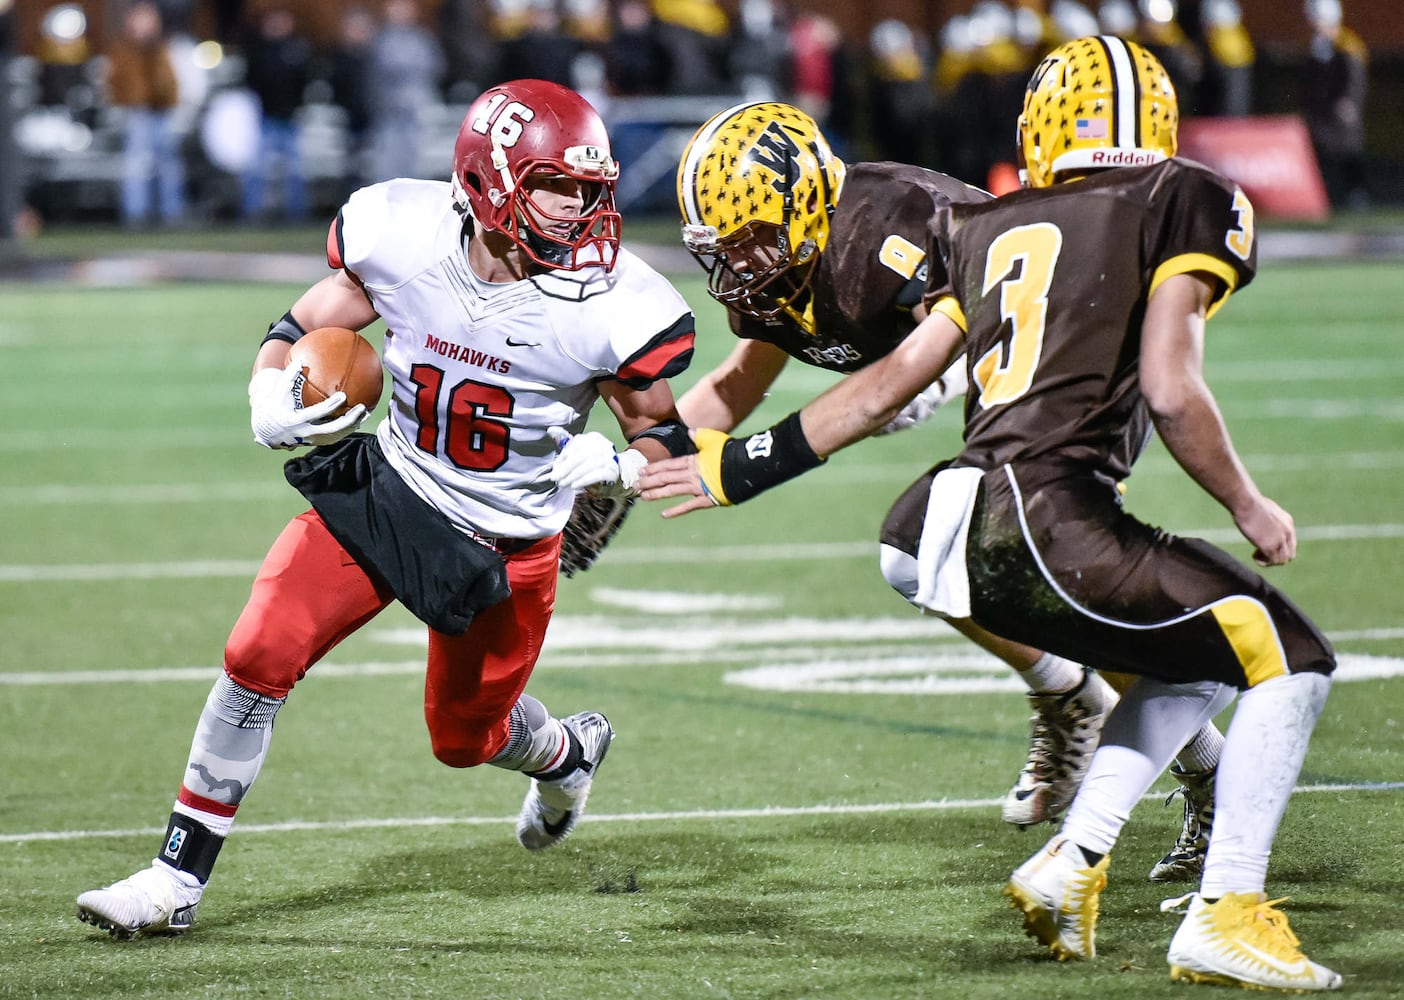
point(334, 359)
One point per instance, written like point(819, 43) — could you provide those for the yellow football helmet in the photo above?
point(1096, 102)
point(757, 186)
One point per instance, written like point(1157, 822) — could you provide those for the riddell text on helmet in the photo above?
point(1124, 157)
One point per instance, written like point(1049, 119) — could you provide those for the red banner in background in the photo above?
point(1270, 157)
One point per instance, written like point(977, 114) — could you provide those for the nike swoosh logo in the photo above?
point(1297, 970)
point(520, 343)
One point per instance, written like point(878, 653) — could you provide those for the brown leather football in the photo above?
point(334, 359)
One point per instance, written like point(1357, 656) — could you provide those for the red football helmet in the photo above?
point(533, 127)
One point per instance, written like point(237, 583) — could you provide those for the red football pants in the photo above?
point(310, 594)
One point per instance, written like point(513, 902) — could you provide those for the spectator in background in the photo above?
point(634, 62)
point(228, 15)
point(1034, 29)
point(1228, 68)
point(1002, 68)
point(588, 22)
point(278, 70)
point(1119, 17)
point(695, 36)
point(1161, 35)
point(901, 100)
point(761, 61)
point(406, 69)
point(349, 74)
point(470, 48)
point(543, 50)
point(1071, 20)
point(819, 83)
point(959, 99)
point(63, 59)
point(142, 84)
point(1334, 93)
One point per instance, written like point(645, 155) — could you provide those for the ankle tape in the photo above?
point(575, 753)
point(190, 847)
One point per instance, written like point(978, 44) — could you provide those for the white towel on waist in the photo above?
point(943, 585)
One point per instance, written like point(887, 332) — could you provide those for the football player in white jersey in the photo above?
point(509, 309)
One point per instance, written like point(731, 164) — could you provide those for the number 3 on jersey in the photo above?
point(1005, 371)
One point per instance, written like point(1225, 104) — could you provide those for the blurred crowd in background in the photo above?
point(266, 121)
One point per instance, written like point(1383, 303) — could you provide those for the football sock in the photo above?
point(1138, 742)
point(1263, 753)
point(230, 744)
point(1202, 752)
point(536, 742)
point(1052, 675)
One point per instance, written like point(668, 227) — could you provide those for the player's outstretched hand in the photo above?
point(675, 477)
point(1271, 531)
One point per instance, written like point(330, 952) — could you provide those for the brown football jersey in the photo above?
point(873, 270)
point(1053, 285)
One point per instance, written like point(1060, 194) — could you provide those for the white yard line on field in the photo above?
point(844, 471)
point(143, 493)
point(936, 663)
point(702, 815)
point(95, 572)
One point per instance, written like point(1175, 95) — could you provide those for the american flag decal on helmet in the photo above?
point(1091, 128)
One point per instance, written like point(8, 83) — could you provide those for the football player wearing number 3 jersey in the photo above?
point(1079, 301)
point(510, 308)
point(826, 263)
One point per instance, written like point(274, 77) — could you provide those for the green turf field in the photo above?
point(803, 797)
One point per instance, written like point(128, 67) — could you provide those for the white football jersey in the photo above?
point(480, 370)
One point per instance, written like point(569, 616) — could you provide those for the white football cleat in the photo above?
point(552, 808)
point(1242, 939)
point(153, 901)
point(1058, 893)
point(1063, 733)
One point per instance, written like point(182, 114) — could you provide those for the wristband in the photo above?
point(673, 435)
point(734, 471)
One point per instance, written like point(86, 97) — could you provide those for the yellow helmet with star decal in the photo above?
point(757, 187)
point(1096, 102)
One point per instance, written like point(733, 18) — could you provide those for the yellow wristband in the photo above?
point(709, 459)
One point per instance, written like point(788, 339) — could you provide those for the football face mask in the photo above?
point(754, 272)
point(555, 216)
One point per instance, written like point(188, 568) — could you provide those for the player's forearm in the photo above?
point(705, 405)
point(272, 354)
point(853, 409)
point(870, 398)
point(1194, 433)
point(730, 393)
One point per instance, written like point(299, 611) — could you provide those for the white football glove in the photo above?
point(951, 385)
point(589, 460)
point(278, 422)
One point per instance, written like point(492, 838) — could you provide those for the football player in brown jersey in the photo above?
point(826, 263)
point(1080, 303)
